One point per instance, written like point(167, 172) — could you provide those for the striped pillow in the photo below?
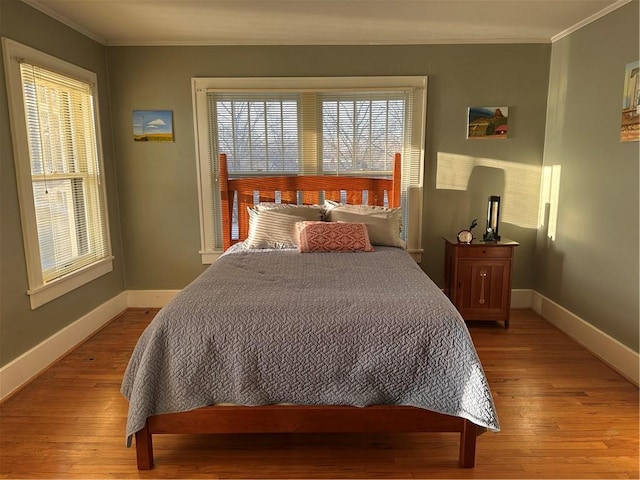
point(309, 212)
point(333, 237)
point(271, 229)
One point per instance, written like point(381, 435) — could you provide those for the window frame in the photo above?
point(41, 291)
point(412, 169)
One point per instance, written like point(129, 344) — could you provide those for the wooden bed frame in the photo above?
point(303, 418)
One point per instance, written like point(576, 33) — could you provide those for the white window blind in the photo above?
point(362, 131)
point(262, 133)
point(58, 164)
point(257, 131)
point(64, 170)
point(330, 126)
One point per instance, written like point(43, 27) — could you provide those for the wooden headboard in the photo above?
point(312, 189)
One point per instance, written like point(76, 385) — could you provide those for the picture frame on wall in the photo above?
point(630, 121)
point(153, 126)
point(487, 122)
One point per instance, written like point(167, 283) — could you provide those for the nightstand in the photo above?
point(477, 278)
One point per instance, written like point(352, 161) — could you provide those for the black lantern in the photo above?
point(493, 219)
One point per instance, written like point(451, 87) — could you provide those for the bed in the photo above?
point(270, 340)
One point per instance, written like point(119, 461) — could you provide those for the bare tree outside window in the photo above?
point(358, 132)
point(259, 136)
point(361, 135)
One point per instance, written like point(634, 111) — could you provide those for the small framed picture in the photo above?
point(487, 122)
point(153, 126)
point(630, 124)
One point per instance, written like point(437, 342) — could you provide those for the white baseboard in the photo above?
point(615, 354)
point(521, 298)
point(28, 365)
point(150, 298)
point(23, 369)
point(18, 372)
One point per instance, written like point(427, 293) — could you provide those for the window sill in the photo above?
point(50, 291)
point(208, 257)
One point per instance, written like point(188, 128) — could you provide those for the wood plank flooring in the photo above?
point(563, 414)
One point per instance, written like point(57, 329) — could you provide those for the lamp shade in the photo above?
point(493, 219)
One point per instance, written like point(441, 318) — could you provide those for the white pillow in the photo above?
point(384, 224)
point(309, 212)
point(272, 229)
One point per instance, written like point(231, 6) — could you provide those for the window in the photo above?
point(57, 155)
point(330, 126)
point(361, 132)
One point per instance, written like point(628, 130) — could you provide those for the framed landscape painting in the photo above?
point(487, 122)
point(153, 125)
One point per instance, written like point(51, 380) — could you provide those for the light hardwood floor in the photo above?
point(563, 414)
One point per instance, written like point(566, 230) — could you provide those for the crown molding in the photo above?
point(41, 6)
point(588, 20)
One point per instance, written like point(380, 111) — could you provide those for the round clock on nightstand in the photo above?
point(465, 236)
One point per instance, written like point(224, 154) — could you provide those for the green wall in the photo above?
point(158, 183)
point(20, 327)
point(591, 268)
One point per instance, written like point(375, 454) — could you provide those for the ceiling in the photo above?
point(324, 22)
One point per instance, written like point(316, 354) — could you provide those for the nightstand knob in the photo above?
point(483, 275)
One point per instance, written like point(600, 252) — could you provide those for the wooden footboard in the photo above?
point(306, 419)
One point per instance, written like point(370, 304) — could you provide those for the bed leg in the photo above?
point(144, 448)
point(468, 444)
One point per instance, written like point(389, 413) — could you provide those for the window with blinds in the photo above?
point(263, 133)
point(361, 132)
point(57, 155)
point(326, 126)
point(258, 132)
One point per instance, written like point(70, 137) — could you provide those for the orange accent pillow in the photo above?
point(333, 237)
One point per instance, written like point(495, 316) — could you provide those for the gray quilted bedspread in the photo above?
point(321, 328)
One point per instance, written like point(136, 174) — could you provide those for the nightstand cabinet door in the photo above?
point(478, 279)
point(483, 288)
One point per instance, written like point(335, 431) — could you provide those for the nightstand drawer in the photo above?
point(490, 251)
